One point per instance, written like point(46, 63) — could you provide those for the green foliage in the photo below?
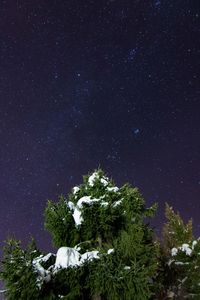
point(71, 283)
point(128, 272)
point(111, 220)
point(17, 271)
point(102, 220)
point(181, 257)
point(192, 283)
point(59, 222)
point(97, 215)
point(175, 232)
point(115, 221)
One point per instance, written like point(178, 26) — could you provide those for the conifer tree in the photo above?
point(17, 270)
point(175, 232)
point(182, 259)
point(106, 248)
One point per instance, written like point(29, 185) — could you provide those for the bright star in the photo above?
point(136, 131)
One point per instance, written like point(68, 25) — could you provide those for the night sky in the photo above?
point(87, 83)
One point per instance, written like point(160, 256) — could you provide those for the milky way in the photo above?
point(97, 83)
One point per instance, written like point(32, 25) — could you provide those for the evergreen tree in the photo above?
point(99, 216)
point(181, 258)
point(106, 248)
point(175, 232)
point(17, 270)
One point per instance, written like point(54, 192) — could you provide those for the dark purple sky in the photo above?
point(89, 83)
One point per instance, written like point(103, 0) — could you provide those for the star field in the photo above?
point(97, 83)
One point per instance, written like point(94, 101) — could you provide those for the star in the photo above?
point(89, 84)
point(136, 131)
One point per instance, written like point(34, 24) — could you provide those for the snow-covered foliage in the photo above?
point(106, 248)
point(43, 275)
point(182, 257)
point(97, 224)
point(66, 257)
point(76, 189)
point(76, 209)
point(184, 248)
point(70, 257)
point(185, 262)
point(97, 176)
point(89, 208)
point(94, 180)
point(174, 251)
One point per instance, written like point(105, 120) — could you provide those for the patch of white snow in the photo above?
point(70, 257)
point(76, 189)
point(174, 251)
point(110, 251)
point(90, 255)
point(104, 203)
point(117, 203)
point(76, 209)
point(104, 181)
point(71, 205)
point(43, 275)
point(127, 268)
point(194, 243)
point(113, 189)
point(186, 248)
point(67, 257)
point(92, 178)
point(87, 200)
point(78, 219)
